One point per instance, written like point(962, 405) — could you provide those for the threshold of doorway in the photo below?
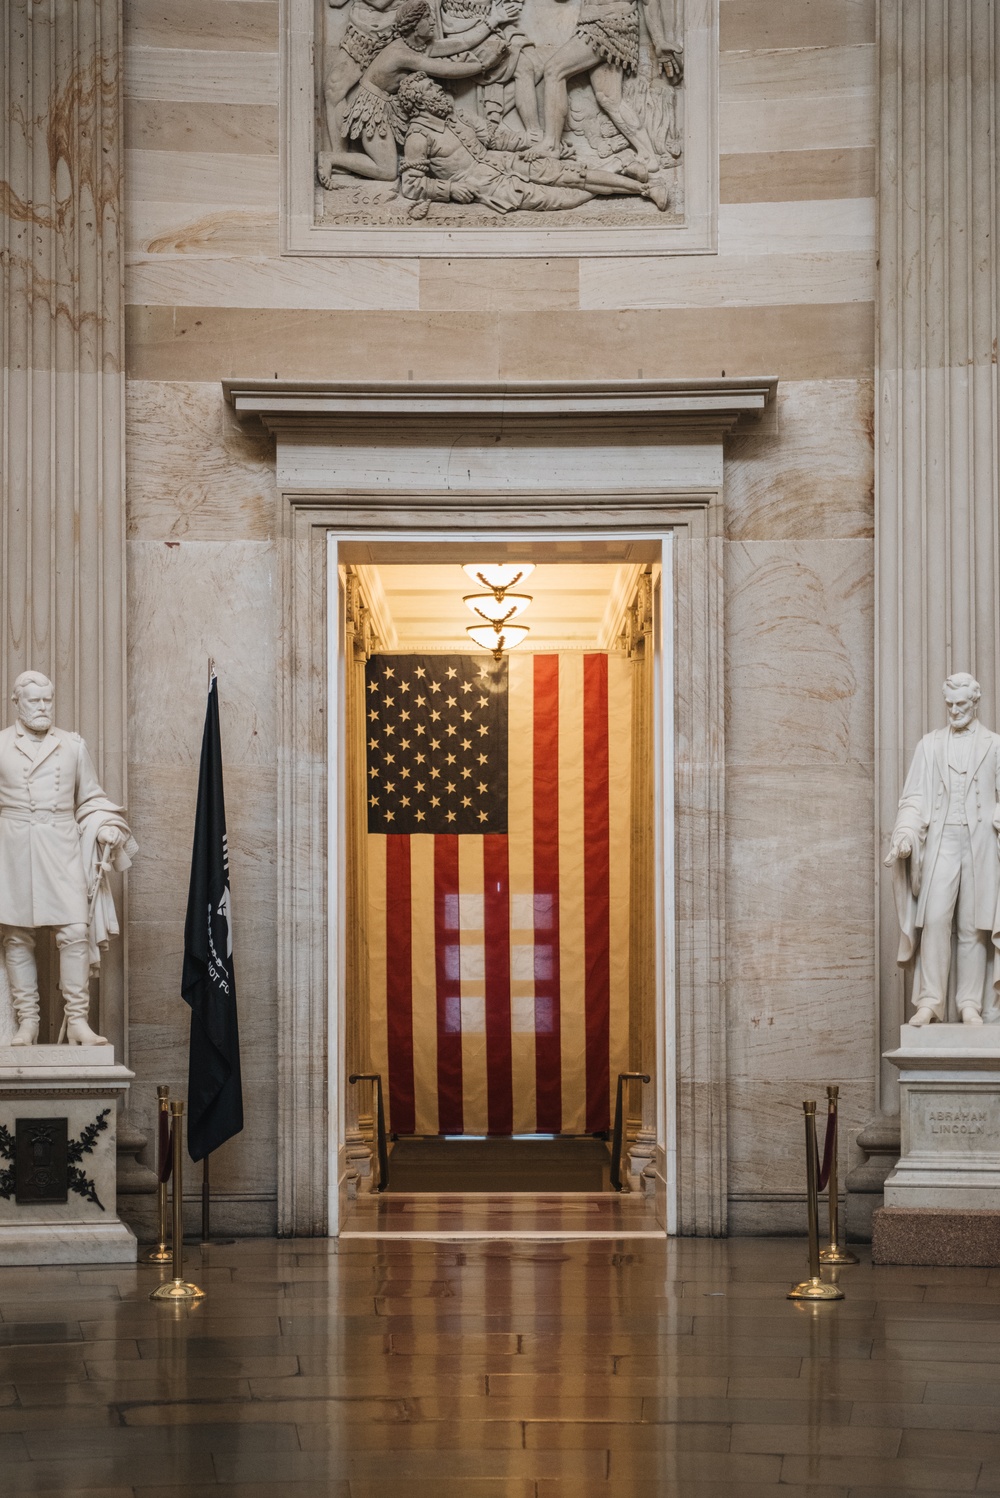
point(503, 1217)
point(499, 1165)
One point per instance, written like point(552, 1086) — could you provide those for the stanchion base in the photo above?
point(836, 1255)
point(177, 1290)
point(161, 1254)
point(815, 1290)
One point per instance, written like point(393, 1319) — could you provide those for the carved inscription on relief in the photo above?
point(485, 112)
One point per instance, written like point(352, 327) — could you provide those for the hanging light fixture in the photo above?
point(498, 606)
point(499, 576)
point(485, 604)
point(496, 639)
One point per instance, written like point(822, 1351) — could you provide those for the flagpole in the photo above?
point(206, 1182)
point(206, 1201)
point(208, 980)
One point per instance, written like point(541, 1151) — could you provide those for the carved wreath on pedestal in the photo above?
point(473, 112)
point(77, 1181)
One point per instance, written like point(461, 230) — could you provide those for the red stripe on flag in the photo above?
point(496, 920)
point(597, 893)
point(398, 984)
point(548, 1058)
point(447, 957)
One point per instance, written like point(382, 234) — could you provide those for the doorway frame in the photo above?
point(575, 458)
point(690, 1161)
point(339, 642)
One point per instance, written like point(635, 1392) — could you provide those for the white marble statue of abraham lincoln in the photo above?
point(59, 834)
point(945, 858)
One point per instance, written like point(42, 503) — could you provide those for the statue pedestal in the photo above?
point(58, 1115)
point(942, 1200)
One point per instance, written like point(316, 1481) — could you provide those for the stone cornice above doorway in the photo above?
point(659, 410)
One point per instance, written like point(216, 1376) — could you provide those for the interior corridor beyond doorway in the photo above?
point(497, 872)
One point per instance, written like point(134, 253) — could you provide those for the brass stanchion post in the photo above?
point(833, 1253)
point(813, 1288)
point(161, 1254)
point(177, 1289)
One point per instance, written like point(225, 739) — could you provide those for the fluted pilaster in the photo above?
point(641, 1112)
point(938, 552)
point(62, 535)
point(357, 1036)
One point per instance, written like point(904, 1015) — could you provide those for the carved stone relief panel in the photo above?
point(500, 126)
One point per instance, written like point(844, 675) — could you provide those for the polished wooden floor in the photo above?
point(446, 1216)
point(402, 1369)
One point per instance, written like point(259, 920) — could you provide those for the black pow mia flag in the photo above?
point(208, 983)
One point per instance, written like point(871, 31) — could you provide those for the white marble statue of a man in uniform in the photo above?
point(945, 858)
point(59, 834)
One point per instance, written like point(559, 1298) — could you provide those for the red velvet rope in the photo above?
point(823, 1171)
point(165, 1148)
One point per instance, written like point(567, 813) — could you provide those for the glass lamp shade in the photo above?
point(497, 640)
point(498, 576)
point(488, 607)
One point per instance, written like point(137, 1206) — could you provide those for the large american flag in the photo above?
point(498, 889)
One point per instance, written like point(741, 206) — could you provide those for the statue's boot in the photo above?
point(74, 981)
point(971, 1016)
point(922, 1017)
point(22, 976)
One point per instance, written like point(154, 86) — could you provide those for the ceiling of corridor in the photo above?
point(575, 606)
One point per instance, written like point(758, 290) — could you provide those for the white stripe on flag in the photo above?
point(522, 900)
point(472, 959)
point(572, 928)
point(424, 982)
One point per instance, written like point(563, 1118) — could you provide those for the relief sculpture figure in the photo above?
point(59, 835)
point(370, 27)
point(945, 858)
point(453, 158)
point(587, 90)
point(514, 81)
point(604, 47)
point(370, 119)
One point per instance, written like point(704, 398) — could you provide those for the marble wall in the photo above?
point(799, 785)
point(789, 294)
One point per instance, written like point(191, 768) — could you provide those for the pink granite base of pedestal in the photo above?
point(940, 1236)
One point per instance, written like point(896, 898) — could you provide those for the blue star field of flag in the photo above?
point(436, 734)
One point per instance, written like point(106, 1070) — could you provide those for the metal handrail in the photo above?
point(381, 1145)
point(616, 1138)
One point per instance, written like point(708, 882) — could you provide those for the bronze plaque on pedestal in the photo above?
point(42, 1160)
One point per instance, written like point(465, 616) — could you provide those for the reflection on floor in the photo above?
point(416, 1370)
point(499, 1164)
point(507, 1215)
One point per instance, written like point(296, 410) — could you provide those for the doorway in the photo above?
point(491, 919)
point(500, 967)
